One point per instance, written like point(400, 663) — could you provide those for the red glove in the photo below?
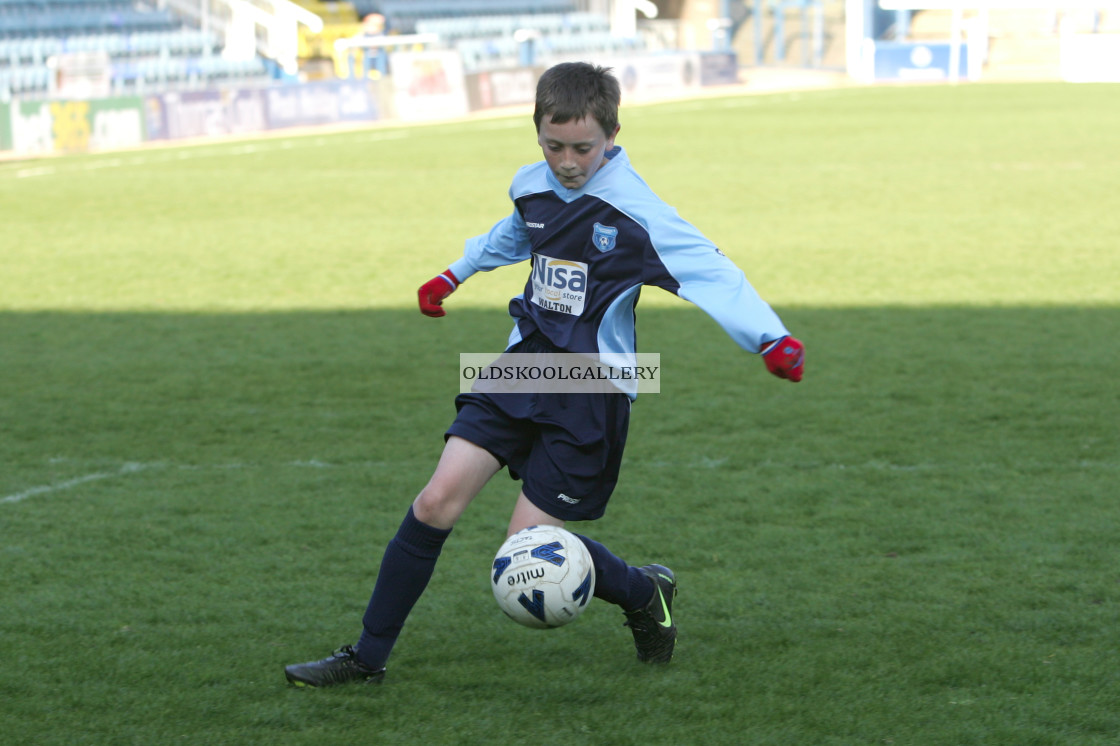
point(434, 291)
point(785, 358)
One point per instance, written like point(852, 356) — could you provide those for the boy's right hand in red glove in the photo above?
point(433, 292)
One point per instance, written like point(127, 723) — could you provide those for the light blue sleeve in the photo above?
point(506, 243)
point(713, 282)
point(696, 270)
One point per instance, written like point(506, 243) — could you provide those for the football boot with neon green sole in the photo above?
point(655, 633)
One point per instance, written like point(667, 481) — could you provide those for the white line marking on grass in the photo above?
point(107, 163)
point(128, 468)
point(383, 136)
point(189, 151)
point(132, 467)
point(313, 464)
point(27, 173)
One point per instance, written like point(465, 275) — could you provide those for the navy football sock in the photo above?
point(405, 571)
point(615, 581)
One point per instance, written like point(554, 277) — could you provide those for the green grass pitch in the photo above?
point(217, 399)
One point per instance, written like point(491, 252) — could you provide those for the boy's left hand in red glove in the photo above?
point(785, 358)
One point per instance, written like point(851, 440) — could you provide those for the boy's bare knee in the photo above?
point(436, 507)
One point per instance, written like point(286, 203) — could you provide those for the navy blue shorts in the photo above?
point(565, 448)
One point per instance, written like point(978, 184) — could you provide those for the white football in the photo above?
point(543, 577)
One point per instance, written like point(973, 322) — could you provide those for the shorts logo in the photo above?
point(604, 236)
point(569, 500)
point(559, 285)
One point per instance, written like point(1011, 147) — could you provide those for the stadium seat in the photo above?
point(149, 48)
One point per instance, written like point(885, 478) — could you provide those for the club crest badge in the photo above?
point(604, 237)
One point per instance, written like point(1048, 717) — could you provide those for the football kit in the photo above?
point(591, 251)
point(593, 248)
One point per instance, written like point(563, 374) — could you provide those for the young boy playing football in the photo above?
point(584, 206)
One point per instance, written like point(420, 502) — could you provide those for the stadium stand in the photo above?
point(152, 48)
point(402, 16)
point(32, 18)
point(491, 34)
point(148, 48)
point(487, 42)
point(483, 27)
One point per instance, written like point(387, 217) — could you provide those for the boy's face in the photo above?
point(575, 149)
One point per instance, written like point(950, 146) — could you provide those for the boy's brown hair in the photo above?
point(571, 91)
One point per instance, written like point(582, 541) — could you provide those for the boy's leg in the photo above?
point(615, 581)
point(463, 470)
point(406, 567)
point(645, 594)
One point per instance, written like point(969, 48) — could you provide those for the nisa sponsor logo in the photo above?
point(559, 285)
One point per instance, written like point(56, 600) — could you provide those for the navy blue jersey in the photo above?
point(593, 248)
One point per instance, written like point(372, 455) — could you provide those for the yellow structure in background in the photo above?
point(340, 21)
point(317, 51)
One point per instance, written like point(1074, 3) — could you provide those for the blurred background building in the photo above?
point(273, 63)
